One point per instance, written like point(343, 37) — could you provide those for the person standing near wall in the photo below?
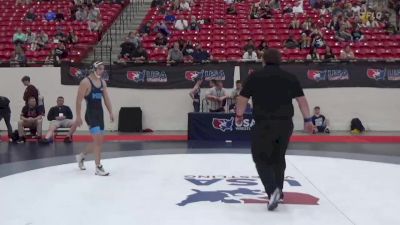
point(195, 95)
point(272, 90)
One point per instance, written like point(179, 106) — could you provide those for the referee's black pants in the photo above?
point(270, 139)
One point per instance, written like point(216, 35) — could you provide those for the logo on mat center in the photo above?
point(239, 190)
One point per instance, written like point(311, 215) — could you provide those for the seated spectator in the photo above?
point(334, 24)
point(93, 13)
point(95, 25)
point(145, 29)
point(59, 16)
point(41, 40)
point(52, 59)
point(356, 9)
point(170, 18)
point(127, 49)
point(60, 36)
point(265, 11)
point(231, 10)
point(328, 54)
point(23, 2)
point(194, 25)
point(321, 124)
point(72, 38)
point(61, 51)
point(81, 14)
point(181, 24)
point(288, 9)
point(323, 11)
point(357, 34)
point(139, 54)
point(175, 55)
point(31, 117)
point(19, 57)
point(274, 4)
point(317, 41)
point(250, 55)
point(134, 38)
point(30, 38)
point(263, 46)
point(50, 16)
point(31, 15)
point(313, 55)
point(295, 23)
point(343, 35)
point(305, 41)
point(371, 23)
point(188, 48)
point(249, 45)
point(184, 6)
point(216, 96)
point(60, 116)
point(298, 7)
point(19, 38)
point(162, 28)
point(199, 55)
point(321, 23)
point(161, 40)
point(346, 24)
point(291, 42)
point(347, 53)
point(307, 26)
point(254, 13)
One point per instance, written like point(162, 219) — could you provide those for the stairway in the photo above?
point(129, 20)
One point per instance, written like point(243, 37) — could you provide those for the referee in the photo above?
point(272, 90)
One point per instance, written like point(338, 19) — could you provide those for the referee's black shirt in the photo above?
point(272, 90)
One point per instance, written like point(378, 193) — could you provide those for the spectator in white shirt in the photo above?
point(181, 24)
point(184, 6)
point(250, 55)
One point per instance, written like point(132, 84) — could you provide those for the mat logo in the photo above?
point(205, 75)
point(242, 193)
point(330, 75)
point(147, 75)
point(223, 124)
point(381, 74)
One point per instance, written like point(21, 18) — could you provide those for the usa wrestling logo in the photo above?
point(383, 74)
point(239, 190)
point(135, 76)
point(148, 76)
point(223, 124)
point(205, 75)
point(330, 75)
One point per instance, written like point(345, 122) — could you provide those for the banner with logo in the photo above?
point(343, 74)
point(153, 76)
point(218, 126)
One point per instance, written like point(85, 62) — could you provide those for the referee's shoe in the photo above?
point(274, 199)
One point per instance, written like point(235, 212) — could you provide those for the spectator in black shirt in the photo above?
point(30, 91)
point(199, 55)
point(31, 16)
point(60, 116)
point(139, 54)
point(272, 90)
point(31, 117)
point(321, 124)
point(145, 29)
point(5, 113)
point(60, 16)
point(249, 45)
